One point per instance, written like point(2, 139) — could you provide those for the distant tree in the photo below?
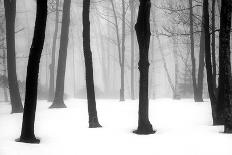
point(27, 132)
point(142, 28)
point(92, 110)
point(10, 13)
point(224, 90)
point(120, 44)
point(59, 94)
point(52, 65)
point(132, 23)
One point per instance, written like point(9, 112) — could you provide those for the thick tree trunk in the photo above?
point(224, 89)
point(142, 28)
point(27, 133)
point(10, 13)
point(192, 51)
point(199, 97)
point(93, 118)
point(132, 8)
point(52, 65)
point(60, 80)
point(208, 63)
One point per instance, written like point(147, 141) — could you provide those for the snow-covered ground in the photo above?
point(183, 128)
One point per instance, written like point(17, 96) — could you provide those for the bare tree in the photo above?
point(27, 132)
point(58, 101)
point(93, 118)
point(143, 32)
point(52, 65)
point(10, 13)
point(224, 90)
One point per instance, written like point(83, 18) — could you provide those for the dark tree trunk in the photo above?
point(192, 51)
point(224, 89)
point(60, 79)
point(142, 28)
point(10, 13)
point(52, 65)
point(93, 118)
point(27, 133)
point(212, 94)
point(199, 97)
point(132, 8)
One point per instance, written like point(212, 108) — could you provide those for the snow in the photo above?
point(183, 128)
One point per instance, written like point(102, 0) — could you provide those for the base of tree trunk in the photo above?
point(176, 97)
point(19, 110)
point(198, 100)
point(144, 129)
point(59, 106)
point(32, 140)
point(122, 98)
point(93, 123)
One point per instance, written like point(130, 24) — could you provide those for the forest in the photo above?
point(115, 77)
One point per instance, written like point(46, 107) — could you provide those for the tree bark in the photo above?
point(27, 133)
point(213, 47)
point(60, 80)
point(52, 65)
point(93, 118)
point(10, 13)
point(224, 89)
point(212, 94)
point(142, 28)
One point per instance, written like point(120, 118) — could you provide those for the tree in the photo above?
point(59, 94)
point(192, 50)
point(122, 90)
point(142, 29)
point(121, 46)
point(212, 93)
point(224, 89)
point(27, 132)
point(52, 65)
point(132, 22)
point(10, 13)
point(93, 118)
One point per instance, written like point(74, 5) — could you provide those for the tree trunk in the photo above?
point(142, 28)
point(93, 118)
point(5, 90)
point(27, 133)
point(52, 65)
point(199, 97)
point(208, 63)
point(60, 80)
point(132, 8)
point(213, 47)
point(119, 48)
point(224, 89)
point(122, 92)
point(192, 51)
point(10, 13)
point(176, 94)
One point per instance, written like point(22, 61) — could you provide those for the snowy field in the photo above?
point(183, 128)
